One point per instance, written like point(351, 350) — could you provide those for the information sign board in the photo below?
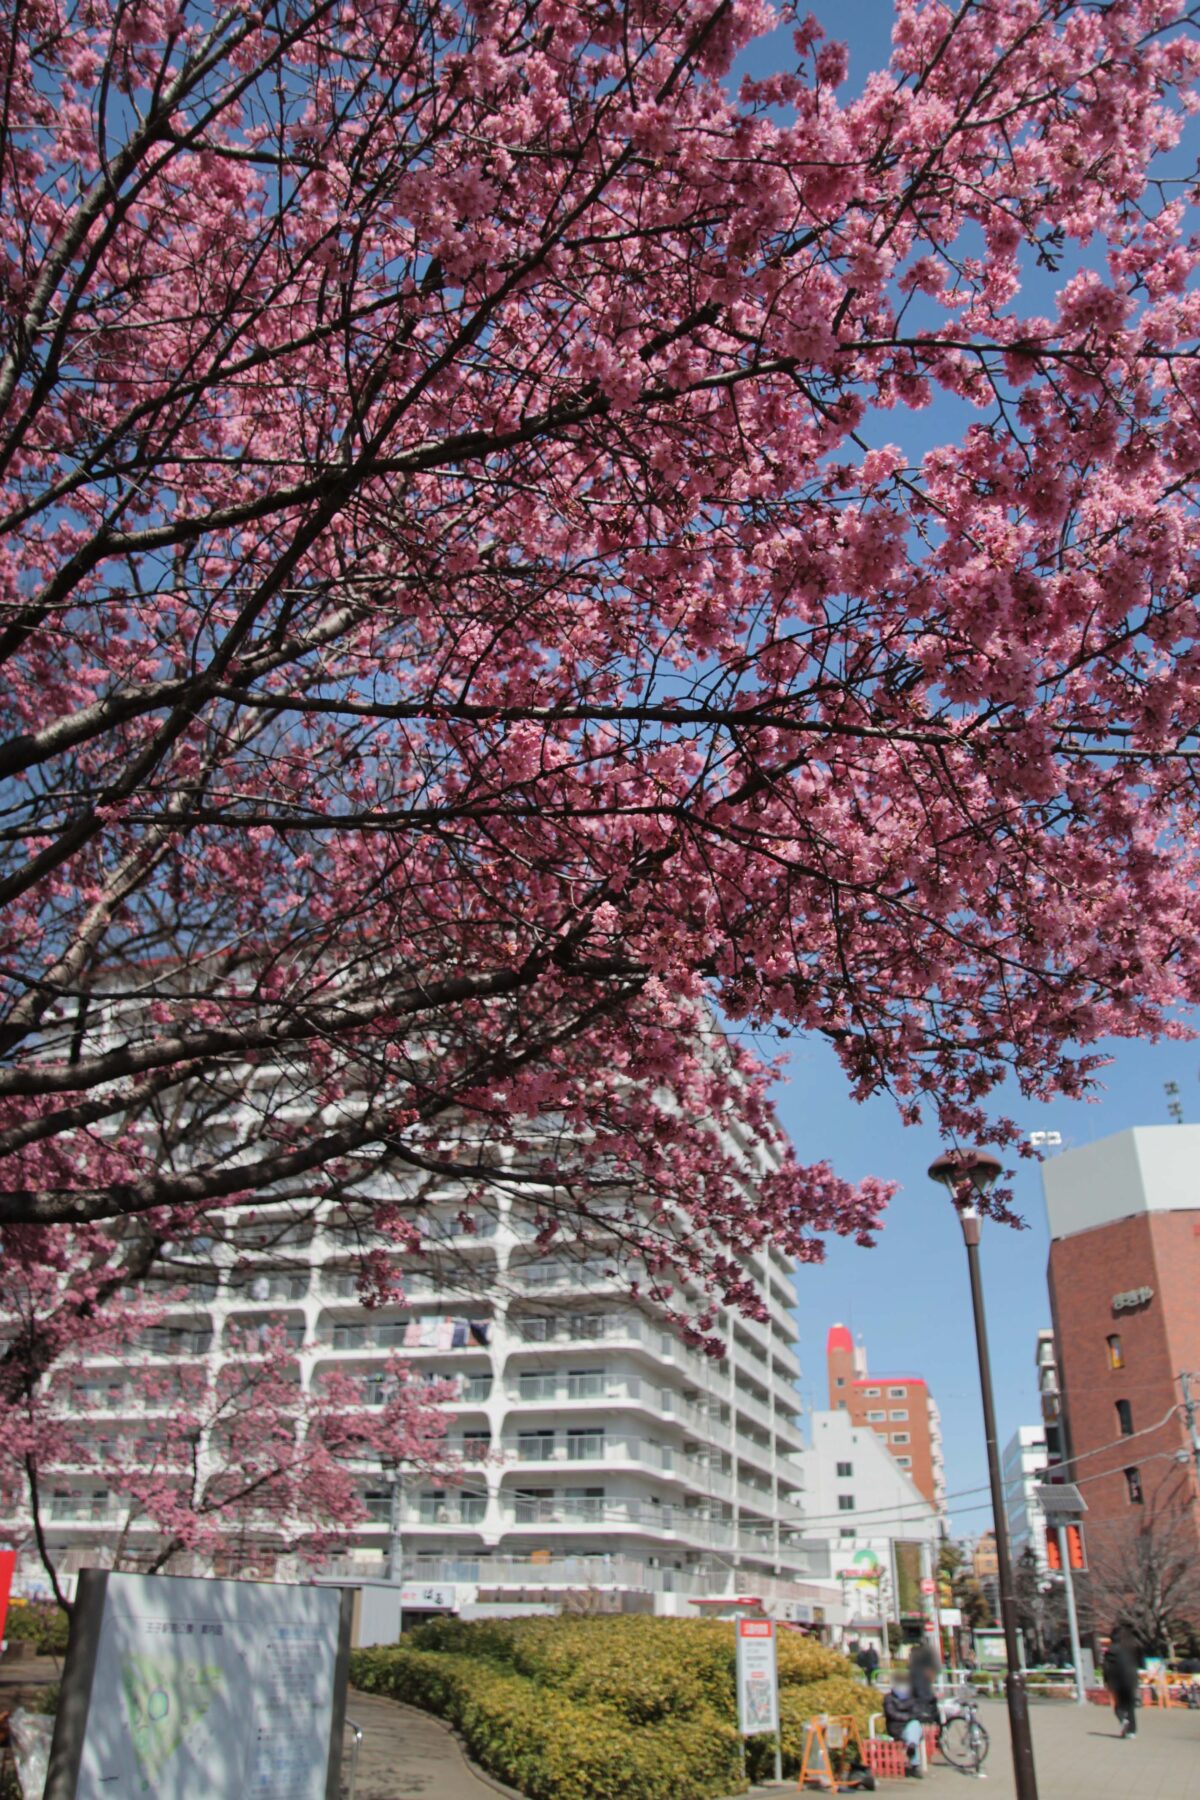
point(176, 1687)
point(757, 1677)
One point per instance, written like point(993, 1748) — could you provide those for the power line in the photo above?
point(1129, 1438)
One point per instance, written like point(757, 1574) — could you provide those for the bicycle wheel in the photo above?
point(964, 1743)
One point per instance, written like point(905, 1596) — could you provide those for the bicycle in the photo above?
point(961, 1738)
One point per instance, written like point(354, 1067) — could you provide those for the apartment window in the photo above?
point(839, 1381)
point(872, 1393)
point(432, 1508)
point(535, 1446)
point(473, 1508)
point(902, 1414)
point(1133, 1483)
point(848, 1531)
point(585, 1444)
point(1125, 1418)
point(536, 1331)
point(585, 1384)
point(587, 1325)
point(537, 1387)
point(905, 1462)
point(477, 1446)
point(897, 1393)
point(1116, 1354)
point(585, 1503)
point(845, 1471)
point(532, 1504)
point(900, 1437)
point(845, 1502)
point(874, 1418)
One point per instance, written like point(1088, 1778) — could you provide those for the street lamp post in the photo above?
point(966, 1178)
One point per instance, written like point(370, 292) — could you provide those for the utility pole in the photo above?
point(1189, 1413)
point(1062, 1504)
point(1064, 1552)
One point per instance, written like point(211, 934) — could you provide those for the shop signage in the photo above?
point(757, 1679)
point(428, 1596)
point(1133, 1297)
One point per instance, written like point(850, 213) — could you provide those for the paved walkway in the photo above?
point(408, 1755)
point(1079, 1756)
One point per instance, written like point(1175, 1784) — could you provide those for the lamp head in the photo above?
point(966, 1175)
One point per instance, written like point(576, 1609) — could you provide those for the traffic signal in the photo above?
point(1075, 1553)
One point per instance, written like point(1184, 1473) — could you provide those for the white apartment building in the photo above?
point(868, 1530)
point(1023, 1467)
point(601, 1457)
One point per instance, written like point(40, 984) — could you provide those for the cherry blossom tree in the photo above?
point(211, 1455)
point(477, 591)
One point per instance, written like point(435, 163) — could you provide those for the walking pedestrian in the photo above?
point(1120, 1669)
point(868, 1662)
point(923, 1671)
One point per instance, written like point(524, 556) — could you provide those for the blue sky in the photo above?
point(908, 1297)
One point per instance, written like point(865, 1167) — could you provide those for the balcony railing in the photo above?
point(599, 1571)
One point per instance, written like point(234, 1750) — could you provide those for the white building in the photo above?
point(602, 1456)
point(1024, 1466)
point(868, 1528)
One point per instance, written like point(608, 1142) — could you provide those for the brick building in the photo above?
point(1124, 1276)
point(898, 1408)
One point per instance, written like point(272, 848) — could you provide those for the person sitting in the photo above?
point(902, 1715)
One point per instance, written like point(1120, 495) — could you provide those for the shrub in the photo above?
point(622, 1708)
point(42, 1624)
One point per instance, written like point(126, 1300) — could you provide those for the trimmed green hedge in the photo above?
point(41, 1623)
point(621, 1708)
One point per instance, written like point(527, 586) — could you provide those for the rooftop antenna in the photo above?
point(1174, 1103)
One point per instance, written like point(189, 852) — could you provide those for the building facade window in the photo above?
point(1133, 1483)
point(900, 1437)
point(873, 1418)
point(1116, 1353)
point(845, 1471)
point(901, 1414)
point(872, 1393)
point(845, 1502)
point(839, 1381)
point(897, 1393)
point(905, 1462)
point(1125, 1418)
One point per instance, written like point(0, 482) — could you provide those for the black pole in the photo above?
point(1014, 1682)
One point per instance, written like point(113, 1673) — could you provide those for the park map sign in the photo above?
point(176, 1688)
